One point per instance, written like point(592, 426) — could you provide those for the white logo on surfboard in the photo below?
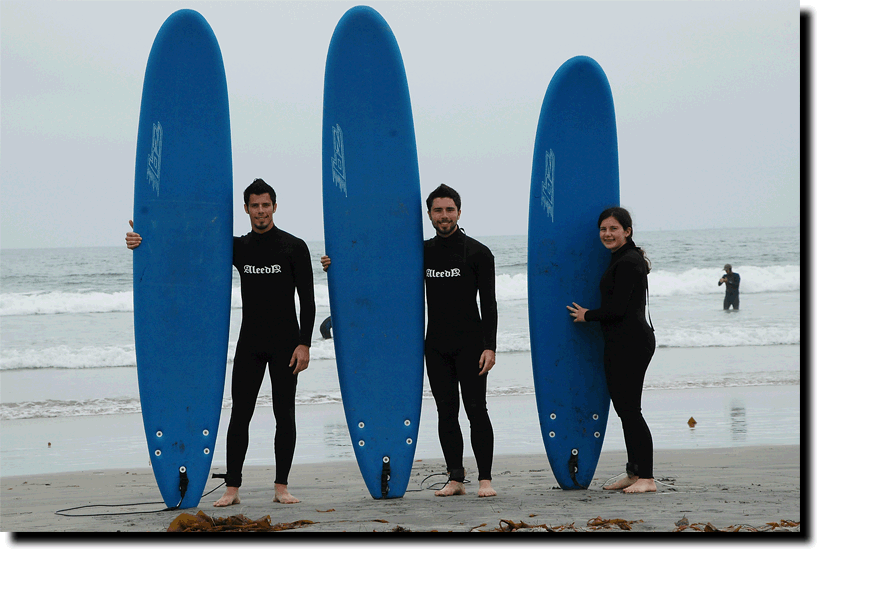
point(339, 174)
point(155, 156)
point(548, 185)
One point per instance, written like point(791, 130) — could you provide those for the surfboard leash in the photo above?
point(573, 467)
point(183, 483)
point(437, 485)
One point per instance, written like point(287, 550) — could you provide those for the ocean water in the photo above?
point(67, 344)
point(68, 360)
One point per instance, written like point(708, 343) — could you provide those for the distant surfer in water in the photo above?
point(732, 288)
point(272, 266)
point(629, 343)
point(460, 339)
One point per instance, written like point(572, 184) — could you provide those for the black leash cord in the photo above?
point(62, 511)
point(434, 486)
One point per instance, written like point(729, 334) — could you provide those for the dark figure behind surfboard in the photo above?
point(732, 288)
point(272, 266)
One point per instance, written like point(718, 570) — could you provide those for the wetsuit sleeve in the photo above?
point(488, 308)
point(626, 276)
point(305, 289)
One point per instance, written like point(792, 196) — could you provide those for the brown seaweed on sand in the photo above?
point(783, 525)
point(508, 526)
point(599, 523)
point(202, 522)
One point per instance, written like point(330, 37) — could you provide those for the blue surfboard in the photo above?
point(373, 232)
point(182, 271)
point(575, 176)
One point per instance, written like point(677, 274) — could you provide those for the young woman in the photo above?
point(629, 342)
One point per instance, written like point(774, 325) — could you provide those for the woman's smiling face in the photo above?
point(613, 236)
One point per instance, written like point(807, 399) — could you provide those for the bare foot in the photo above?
point(640, 486)
point(453, 488)
point(231, 496)
point(282, 495)
point(485, 490)
point(621, 484)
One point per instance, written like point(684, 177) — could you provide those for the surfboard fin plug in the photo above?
point(385, 477)
point(573, 468)
point(183, 481)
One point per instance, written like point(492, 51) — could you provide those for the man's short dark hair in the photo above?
point(259, 187)
point(443, 191)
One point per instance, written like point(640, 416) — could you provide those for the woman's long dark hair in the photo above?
point(624, 219)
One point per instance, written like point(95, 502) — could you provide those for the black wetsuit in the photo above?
point(273, 266)
point(629, 344)
point(732, 291)
point(457, 268)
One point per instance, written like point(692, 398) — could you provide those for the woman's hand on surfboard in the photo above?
point(133, 238)
point(577, 312)
point(325, 262)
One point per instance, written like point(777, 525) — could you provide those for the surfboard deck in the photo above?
point(182, 271)
point(374, 236)
point(575, 176)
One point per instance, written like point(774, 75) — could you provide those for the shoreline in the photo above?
point(749, 487)
point(726, 417)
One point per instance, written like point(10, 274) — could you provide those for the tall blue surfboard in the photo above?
point(575, 176)
point(373, 230)
point(182, 271)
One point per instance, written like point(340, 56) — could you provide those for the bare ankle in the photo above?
point(453, 488)
point(230, 497)
point(283, 496)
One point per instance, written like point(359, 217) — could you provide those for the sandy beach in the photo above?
point(724, 489)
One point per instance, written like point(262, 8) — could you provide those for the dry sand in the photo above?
point(750, 487)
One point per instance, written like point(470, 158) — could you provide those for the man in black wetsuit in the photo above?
point(273, 265)
point(460, 340)
point(732, 288)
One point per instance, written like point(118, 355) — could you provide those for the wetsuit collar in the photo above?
point(457, 237)
point(265, 235)
point(628, 245)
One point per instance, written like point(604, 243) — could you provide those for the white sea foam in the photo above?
point(753, 280)
point(77, 315)
point(53, 303)
point(517, 341)
point(511, 287)
point(508, 287)
point(727, 337)
point(69, 408)
point(48, 303)
point(64, 357)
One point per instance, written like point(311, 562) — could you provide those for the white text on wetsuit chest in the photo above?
point(252, 270)
point(447, 273)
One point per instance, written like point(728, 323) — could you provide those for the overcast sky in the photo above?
point(706, 95)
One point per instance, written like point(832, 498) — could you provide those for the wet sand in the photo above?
point(724, 488)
